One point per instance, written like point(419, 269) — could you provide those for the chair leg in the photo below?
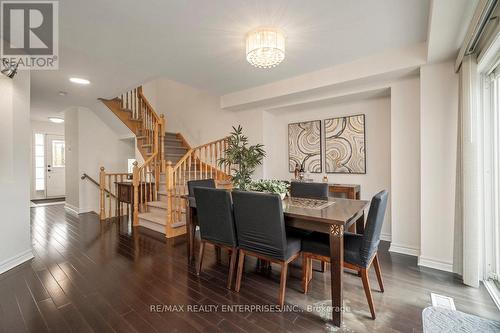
point(368, 292)
point(241, 262)
point(305, 273)
point(284, 271)
point(232, 263)
point(376, 264)
point(200, 259)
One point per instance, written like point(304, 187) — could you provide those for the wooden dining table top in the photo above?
point(339, 211)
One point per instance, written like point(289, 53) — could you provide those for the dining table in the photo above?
point(332, 217)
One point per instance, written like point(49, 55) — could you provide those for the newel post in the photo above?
point(135, 183)
point(102, 188)
point(170, 189)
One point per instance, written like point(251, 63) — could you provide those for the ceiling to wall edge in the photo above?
point(348, 97)
point(367, 87)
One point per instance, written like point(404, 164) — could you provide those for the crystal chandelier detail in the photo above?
point(265, 47)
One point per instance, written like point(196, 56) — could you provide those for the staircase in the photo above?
point(170, 162)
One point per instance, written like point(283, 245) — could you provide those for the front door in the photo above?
point(55, 166)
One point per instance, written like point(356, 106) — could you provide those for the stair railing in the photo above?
point(109, 205)
point(198, 163)
point(146, 178)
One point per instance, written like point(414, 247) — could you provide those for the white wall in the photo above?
point(405, 166)
point(47, 127)
point(72, 158)
point(439, 124)
point(95, 145)
point(378, 144)
point(194, 113)
point(15, 242)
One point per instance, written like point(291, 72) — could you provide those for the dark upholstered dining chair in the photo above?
point(260, 227)
point(309, 190)
point(216, 222)
point(360, 251)
point(192, 184)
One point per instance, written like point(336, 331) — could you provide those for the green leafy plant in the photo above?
point(241, 158)
point(271, 186)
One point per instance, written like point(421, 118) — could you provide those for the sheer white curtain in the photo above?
point(471, 180)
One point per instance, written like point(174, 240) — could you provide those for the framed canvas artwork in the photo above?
point(304, 146)
point(345, 145)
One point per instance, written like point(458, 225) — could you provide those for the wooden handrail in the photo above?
point(92, 180)
point(211, 143)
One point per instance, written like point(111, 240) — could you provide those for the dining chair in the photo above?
point(260, 228)
point(216, 222)
point(360, 251)
point(191, 185)
point(309, 190)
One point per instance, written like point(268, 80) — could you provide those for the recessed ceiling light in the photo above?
point(78, 80)
point(56, 120)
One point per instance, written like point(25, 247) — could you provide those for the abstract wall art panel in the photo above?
point(345, 145)
point(304, 146)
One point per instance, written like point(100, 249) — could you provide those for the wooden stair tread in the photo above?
point(154, 217)
point(158, 204)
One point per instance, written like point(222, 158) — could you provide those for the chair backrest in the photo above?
point(210, 183)
point(374, 221)
point(260, 224)
point(309, 190)
point(215, 215)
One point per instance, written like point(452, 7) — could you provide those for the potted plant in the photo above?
point(270, 186)
point(241, 158)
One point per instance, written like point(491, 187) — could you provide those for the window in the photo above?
point(39, 151)
point(58, 154)
point(492, 180)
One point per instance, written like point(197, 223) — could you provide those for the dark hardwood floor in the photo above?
point(93, 277)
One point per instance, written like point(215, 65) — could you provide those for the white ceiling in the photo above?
point(119, 44)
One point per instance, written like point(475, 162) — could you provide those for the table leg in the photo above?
point(337, 268)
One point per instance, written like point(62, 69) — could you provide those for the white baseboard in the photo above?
point(15, 261)
point(72, 209)
point(385, 237)
point(436, 264)
point(411, 251)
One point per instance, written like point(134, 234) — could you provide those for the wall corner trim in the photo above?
point(436, 264)
point(15, 261)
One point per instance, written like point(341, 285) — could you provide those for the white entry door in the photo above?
point(55, 166)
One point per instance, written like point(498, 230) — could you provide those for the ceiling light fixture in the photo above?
point(265, 47)
point(78, 80)
point(56, 120)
